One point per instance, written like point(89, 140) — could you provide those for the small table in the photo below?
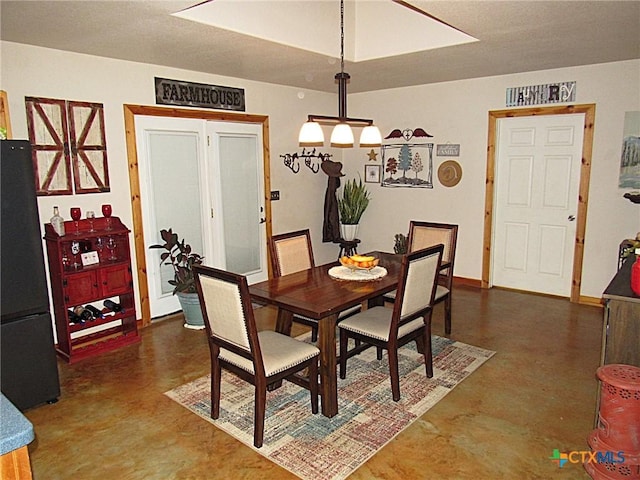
point(348, 247)
point(313, 293)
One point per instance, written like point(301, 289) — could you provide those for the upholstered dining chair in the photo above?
point(410, 318)
point(260, 358)
point(425, 234)
point(292, 252)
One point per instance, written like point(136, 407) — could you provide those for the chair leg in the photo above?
point(393, 371)
point(259, 412)
point(314, 334)
point(313, 385)
point(344, 339)
point(428, 356)
point(379, 353)
point(447, 314)
point(215, 389)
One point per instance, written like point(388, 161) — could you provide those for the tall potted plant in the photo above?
point(179, 255)
point(351, 205)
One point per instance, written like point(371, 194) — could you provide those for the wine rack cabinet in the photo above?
point(91, 263)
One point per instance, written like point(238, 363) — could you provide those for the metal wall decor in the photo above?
point(448, 150)
point(541, 94)
point(408, 165)
point(312, 160)
point(191, 94)
point(407, 134)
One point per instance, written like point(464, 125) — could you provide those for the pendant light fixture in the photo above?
point(311, 134)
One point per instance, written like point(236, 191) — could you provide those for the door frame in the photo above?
point(589, 111)
point(130, 112)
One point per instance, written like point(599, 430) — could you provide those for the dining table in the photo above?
point(316, 294)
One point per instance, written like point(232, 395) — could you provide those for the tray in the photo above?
point(359, 275)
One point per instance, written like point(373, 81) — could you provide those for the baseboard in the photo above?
point(467, 282)
point(593, 301)
point(472, 282)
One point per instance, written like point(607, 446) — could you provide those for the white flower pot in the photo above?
point(348, 232)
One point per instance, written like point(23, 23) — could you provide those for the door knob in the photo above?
point(571, 218)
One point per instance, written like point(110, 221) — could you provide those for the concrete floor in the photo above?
point(535, 395)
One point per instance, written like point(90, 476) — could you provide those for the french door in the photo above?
point(203, 179)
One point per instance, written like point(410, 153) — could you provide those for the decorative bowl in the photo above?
point(359, 265)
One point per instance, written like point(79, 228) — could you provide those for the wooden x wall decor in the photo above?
point(68, 142)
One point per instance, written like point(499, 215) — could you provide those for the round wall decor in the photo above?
point(449, 173)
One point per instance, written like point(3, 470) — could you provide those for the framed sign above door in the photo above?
point(68, 142)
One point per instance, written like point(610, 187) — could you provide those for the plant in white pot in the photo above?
point(178, 254)
point(351, 205)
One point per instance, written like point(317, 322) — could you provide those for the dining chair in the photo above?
point(290, 253)
point(425, 234)
point(410, 318)
point(260, 358)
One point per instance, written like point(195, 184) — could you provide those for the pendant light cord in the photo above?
point(342, 36)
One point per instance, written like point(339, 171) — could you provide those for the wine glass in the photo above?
point(106, 211)
point(76, 214)
point(111, 246)
point(91, 215)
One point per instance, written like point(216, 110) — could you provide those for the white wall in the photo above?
point(453, 112)
point(40, 72)
point(457, 112)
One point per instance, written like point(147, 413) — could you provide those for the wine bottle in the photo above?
point(94, 311)
point(113, 306)
point(83, 313)
point(73, 318)
point(57, 222)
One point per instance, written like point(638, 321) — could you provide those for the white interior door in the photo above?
point(237, 190)
point(537, 178)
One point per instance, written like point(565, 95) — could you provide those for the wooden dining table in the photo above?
point(315, 294)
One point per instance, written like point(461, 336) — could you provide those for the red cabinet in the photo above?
point(88, 268)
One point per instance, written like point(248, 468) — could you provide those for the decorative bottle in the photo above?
point(57, 222)
point(635, 276)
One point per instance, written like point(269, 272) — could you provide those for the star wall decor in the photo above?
point(373, 155)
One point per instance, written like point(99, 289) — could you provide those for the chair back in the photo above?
point(426, 234)
point(228, 312)
point(417, 283)
point(291, 252)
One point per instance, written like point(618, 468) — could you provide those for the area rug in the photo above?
point(315, 447)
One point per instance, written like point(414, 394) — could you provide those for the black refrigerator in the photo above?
point(28, 368)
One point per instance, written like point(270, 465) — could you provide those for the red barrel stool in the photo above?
point(618, 424)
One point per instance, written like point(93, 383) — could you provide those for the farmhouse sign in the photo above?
point(539, 94)
point(176, 92)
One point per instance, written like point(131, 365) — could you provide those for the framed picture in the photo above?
point(372, 173)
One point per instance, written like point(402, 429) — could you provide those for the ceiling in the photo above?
point(513, 36)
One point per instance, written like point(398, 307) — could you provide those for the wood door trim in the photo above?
point(130, 112)
point(589, 111)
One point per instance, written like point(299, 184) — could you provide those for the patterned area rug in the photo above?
point(314, 447)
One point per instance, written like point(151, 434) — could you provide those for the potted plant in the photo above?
point(352, 204)
point(179, 255)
